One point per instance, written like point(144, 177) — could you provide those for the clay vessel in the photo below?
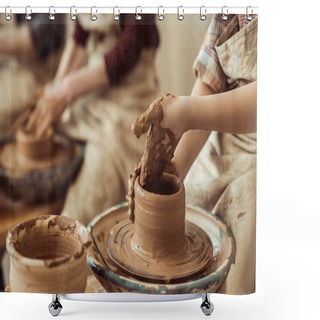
point(48, 255)
point(161, 245)
point(32, 147)
point(159, 227)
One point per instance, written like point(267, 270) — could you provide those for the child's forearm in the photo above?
point(233, 112)
point(230, 112)
point(72, 59)
point(192, 141)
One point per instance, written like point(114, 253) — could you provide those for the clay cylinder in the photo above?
point(160, 218)
point(32, 147)
point(48, 255)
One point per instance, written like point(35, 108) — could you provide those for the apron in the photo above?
point(103, 119)
point(223, 177)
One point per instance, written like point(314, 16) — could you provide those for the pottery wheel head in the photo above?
point(164, 268)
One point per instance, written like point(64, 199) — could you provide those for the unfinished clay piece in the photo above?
point(160, 245)
point(27, 152)
point(158, 152)
point(48, 255)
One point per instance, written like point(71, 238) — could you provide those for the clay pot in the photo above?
point(160, 218)
point(32, 147)
point(48, 255)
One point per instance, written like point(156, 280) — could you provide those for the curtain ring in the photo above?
point(116, 16)
point(249, 16)
point(7, 15)
point(224, 13)
point(51, 13)
point(138, 16)
point(180, 13)
point(93, 16)
point(28, 13)
point(160, 16)
point(203, 13)
point(73, 11)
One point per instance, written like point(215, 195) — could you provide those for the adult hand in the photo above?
point(55, 98)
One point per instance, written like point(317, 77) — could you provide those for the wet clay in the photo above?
point(27, 152)
point(160, 245)
point(159, 150)
point(48, 254)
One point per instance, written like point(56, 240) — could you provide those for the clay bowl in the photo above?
point(48, 255)
point(28, 144)
point(115, 280)
point(32, 147)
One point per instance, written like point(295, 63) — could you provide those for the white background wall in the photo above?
point(288, 237)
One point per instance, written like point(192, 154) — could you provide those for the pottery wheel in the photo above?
point(182, 265)
point(17, 165)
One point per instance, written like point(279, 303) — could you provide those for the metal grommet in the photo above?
point(138, 16)
point(28, 13)
point(116, 16)
point(180, 13)
point(93, 16)
point(249, 16)
point(7, 15)
point(160, 16)
point(203, 13)
point(51, 13)
point(73, 11)
point(224, 13)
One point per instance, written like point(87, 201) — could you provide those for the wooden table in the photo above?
point(10, 216)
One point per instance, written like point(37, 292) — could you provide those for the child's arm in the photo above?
point(195, 117)
point(231, 112)
point(192, 141)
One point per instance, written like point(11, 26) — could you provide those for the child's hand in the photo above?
point(170, 115)
point(166, 121)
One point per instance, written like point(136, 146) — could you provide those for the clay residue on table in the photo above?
point(159, 150)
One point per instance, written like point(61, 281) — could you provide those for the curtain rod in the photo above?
point(136, 10)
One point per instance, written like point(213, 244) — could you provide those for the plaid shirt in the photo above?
point(207, 66)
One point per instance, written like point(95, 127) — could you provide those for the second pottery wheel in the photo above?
point(115, 279)
point(122, 251)
point(45, 183)
point(17, 164)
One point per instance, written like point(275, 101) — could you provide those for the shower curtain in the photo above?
point(71, 93)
